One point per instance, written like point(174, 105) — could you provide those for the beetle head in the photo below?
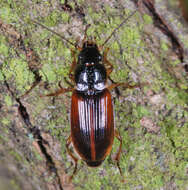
point(89, 55)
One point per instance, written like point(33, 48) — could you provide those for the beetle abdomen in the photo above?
point(92, 125)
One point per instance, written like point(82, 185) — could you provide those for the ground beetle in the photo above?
point(92, 118)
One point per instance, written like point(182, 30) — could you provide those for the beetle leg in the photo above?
point(105, 60)
point(60, 91)
point(69, 140)
point(118, 136)
point(68, 82)
point(127, 85)
point(31, 88)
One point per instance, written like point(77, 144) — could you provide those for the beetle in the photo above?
point(92, 117)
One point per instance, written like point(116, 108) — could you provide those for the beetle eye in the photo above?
point(99, 57)
point(80, 57)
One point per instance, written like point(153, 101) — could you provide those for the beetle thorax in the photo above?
point(90, 79)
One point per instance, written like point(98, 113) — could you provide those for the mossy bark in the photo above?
point(153, 121)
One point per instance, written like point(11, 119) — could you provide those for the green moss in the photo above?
point(80, 2)
point(180, 140)
point(8, 100)
point(52, 127)
point(1, 76)
point(183, 86)
point(3, 139)
point(115, 46)
point(108, 9)
point(37, 155)
point(147, 19)
point(3, 47)
point(18, 69)
point(140, 111)
point(49, 73)
point(5, 121)
point(16, 155)
point(164, 46)
point(178, 168)
point(65, 17)
point(182, 97)
point(176, 62)
point(129, 36)
point(15, 185)
point(121, 75)
point(177, 97)
point(161, 156)
point(66, 52)
point(51, 20)
point(50, 178)
point(7, 14)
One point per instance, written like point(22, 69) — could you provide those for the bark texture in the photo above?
point(152, 46)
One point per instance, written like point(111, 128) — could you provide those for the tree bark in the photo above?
point(153, 121)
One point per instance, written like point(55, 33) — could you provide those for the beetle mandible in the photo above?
point(92, 119)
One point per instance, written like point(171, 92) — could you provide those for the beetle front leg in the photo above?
point(69, 140)
point(60, 91)
point(127, 85)
point(105, 60)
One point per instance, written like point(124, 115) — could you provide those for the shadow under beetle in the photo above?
point(92, 118)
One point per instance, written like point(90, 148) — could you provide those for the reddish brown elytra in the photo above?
point(92, 118)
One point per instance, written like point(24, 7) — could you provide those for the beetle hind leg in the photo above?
point(118, 154)
point(69, 140)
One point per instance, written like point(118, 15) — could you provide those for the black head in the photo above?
point(94, 163)
point(89, 54)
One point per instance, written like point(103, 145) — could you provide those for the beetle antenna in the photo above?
point(54, 33)
point(119, 27)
